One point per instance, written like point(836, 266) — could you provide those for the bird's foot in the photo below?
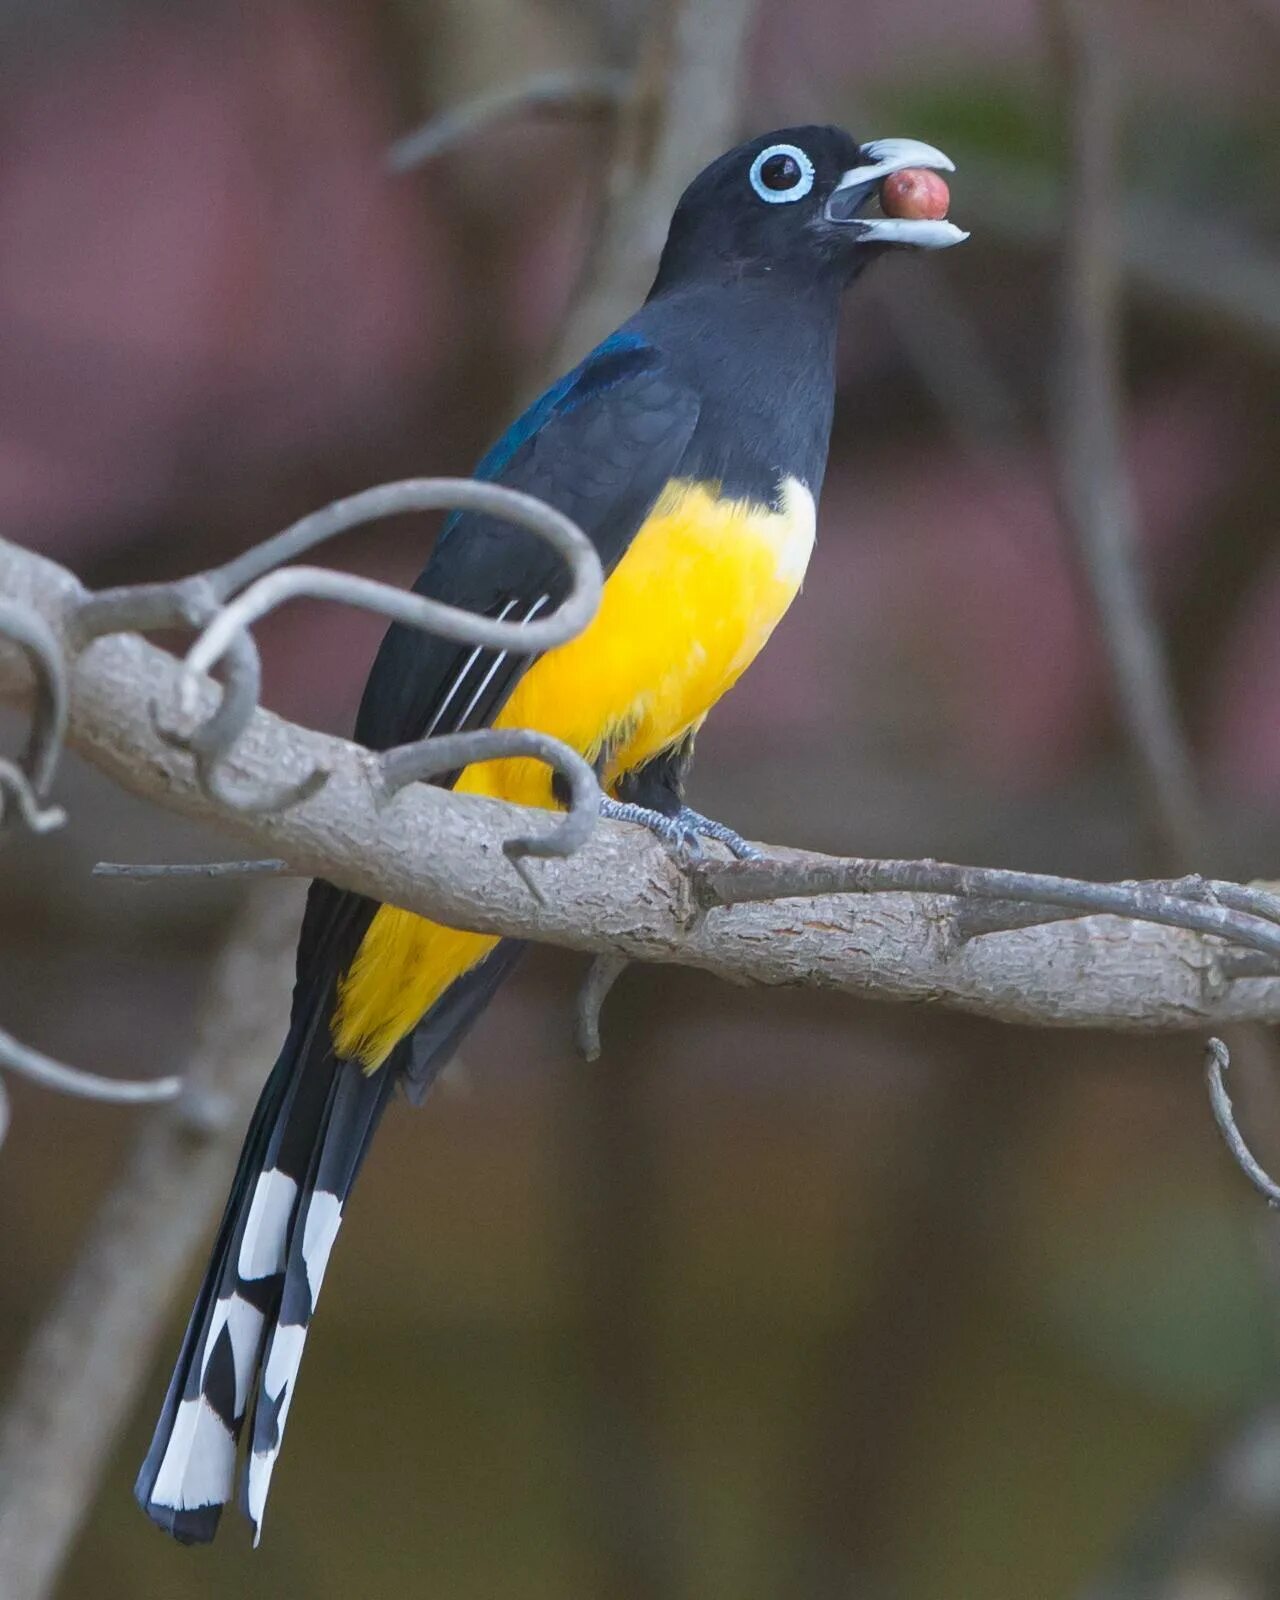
point(708, 828)
point(683, 832)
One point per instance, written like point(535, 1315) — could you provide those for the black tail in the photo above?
point(244, 1341)
point(312, 1127)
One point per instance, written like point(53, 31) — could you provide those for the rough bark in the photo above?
point(441, 855)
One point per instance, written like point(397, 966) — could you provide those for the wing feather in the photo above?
point(600, 445)
point(602, 453)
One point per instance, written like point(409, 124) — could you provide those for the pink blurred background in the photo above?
point(888, 1302)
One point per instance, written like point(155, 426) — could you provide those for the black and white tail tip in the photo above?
point(284, 1352)
point(190, 1473)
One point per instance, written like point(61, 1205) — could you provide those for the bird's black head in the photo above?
point(793, 203)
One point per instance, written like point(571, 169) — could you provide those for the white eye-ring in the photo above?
point(782, 173)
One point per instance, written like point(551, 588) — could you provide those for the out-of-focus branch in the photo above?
point(671, 115)
point(1213, 1534)
point(1095, 489)
point(575, 94)
point(1094, 486)
point(1207, 268)
point(681, 112)
point(49, 1074)
point(1185, 1551)
point(24, 785)
point(88, 1357)
point(790, 919)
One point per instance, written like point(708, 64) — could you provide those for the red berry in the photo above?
point(915, 193)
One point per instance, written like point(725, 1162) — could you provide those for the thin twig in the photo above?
point(145, 871)
point(578, 94)
point(269, 586)
point(210, 741)
point(979, 918)
point(26, 782)
point(602, 974)
point(90, 1353)
point(204, 601)
point(49, 1074)
point(1094, 485)
point(1243, 897)
point(228, 629)
point(273, 587)
point(184, 603)
point(1248, 964)
point(1216, 1062)
point(190, 603)
point(33, 636)
point(444, 753)
point(18, 798)
point(728, 883)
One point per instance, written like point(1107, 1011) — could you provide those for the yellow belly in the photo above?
point(686, 610)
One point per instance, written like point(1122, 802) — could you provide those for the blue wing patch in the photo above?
point(595, 373)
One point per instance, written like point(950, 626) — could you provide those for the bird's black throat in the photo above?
point(760, 353)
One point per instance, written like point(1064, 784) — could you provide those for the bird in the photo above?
point(690, 445)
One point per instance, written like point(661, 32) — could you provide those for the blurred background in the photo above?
point(787, 1296)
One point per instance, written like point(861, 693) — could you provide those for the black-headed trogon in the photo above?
point(690, 446)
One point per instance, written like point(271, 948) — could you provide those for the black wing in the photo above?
point(600, 446)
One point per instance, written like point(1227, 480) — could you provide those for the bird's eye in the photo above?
point(782, 173)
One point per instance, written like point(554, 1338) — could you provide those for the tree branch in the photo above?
point(1217, 1060)
point(1212, 1533)
point(21, 1059)
point(1094, 485)
point(26, 782)
point(205, 601)
point(1209, 270)
point(680, 113)
point(88, 1357)
point(146, 871)
point(578, 94)
point(442, 855)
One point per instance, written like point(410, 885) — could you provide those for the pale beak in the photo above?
point(858, 184)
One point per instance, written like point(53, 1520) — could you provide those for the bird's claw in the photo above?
point(683, 833)
point(708, 828)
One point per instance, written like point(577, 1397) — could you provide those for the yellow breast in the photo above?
point(699, 590)
point(686, 610)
